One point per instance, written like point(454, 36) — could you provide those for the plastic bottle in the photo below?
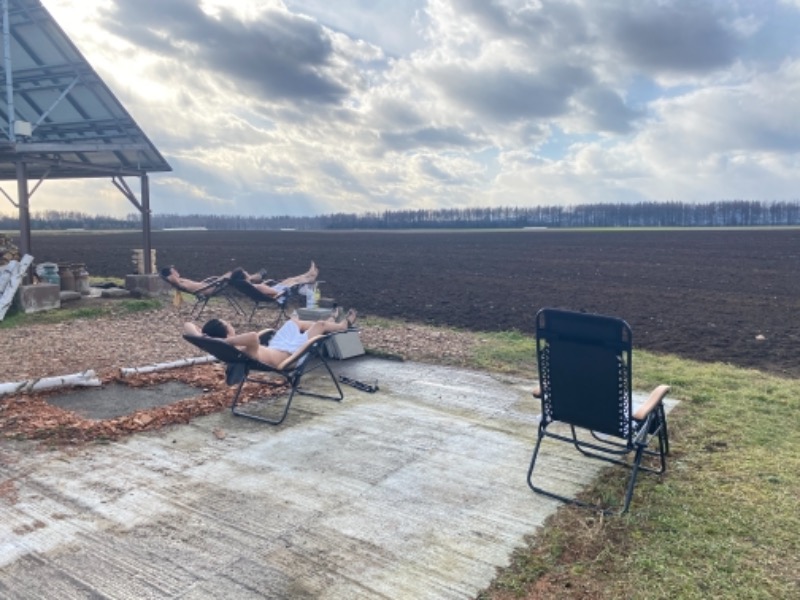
point(310, 297)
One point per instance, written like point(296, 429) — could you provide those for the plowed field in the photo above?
point(730, 296)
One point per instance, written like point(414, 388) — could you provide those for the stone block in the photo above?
point(67, 296)
point(36, 298)
point(147, 286)
point(115, 293)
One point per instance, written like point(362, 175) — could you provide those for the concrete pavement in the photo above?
point(416, 491)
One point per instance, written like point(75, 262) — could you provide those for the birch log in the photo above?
point(10, 277)
point(84, 379)
point(184, 362)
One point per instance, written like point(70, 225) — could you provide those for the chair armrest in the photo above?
point(300, 352)
point(537, 392)
point(265, 335)
point(656, 398)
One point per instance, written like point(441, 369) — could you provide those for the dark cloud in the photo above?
point(279, 56)
point(682, 37)
point(505, 95)
point(608, 111)
point(556, 24)
point(428, 137)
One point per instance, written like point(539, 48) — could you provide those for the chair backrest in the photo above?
point(220, 349)
point(584, 363)
point(248, 289)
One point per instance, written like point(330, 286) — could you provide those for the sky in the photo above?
point(308, 107)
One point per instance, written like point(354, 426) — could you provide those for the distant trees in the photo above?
point(729, 213)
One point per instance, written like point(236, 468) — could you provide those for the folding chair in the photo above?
point(241, 368)
point(585, 376)
point(214, 288)
point(261, 300)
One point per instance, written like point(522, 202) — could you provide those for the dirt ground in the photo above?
point(711, 295)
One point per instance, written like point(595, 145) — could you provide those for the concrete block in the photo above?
point(115, 293)
point(147, 286)
point(67, 296)
point(342, 346)
point(36, 298)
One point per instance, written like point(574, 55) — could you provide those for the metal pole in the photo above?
point(24, 213)
point(7, 67)
point(148, 262)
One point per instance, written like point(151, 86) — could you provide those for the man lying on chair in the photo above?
point(291, 336)
point(172, 275)
point(277, 289)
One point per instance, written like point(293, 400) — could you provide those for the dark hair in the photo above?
point(238, 274)
point(215, 328)
point(166, 272)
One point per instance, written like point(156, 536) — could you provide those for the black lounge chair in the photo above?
point(217, 287)
point(585, 376)
point(261, 300)
point(241, 368)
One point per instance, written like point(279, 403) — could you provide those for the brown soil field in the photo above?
point(711, 295)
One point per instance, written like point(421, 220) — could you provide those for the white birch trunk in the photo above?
point(184, 362)
point(10, 278)
point(83, 379)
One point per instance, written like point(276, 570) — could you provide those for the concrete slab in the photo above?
point(416, 491)
point(39, 297)
point(117, 400)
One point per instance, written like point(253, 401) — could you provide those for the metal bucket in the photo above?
point(48, 273)
point(81, 276)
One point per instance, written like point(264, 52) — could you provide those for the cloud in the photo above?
point(279, 55)
point(311, 106)
point(681, 36)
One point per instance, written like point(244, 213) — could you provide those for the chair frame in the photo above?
point(241, 368)
point(585, 366)
point(261, 300)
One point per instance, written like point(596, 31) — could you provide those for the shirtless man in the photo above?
point(291, 336)
point(172, 275)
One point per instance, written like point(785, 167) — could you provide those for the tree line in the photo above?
point(733, 213)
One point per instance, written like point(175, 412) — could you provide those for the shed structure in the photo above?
point(59, 120)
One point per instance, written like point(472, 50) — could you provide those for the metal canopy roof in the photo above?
point(57, 116)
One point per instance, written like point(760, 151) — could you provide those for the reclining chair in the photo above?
point(261, 300)
point(214, 288)
point(241, 368)
point(585, 375)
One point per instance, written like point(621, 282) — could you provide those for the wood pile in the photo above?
point(8, 251)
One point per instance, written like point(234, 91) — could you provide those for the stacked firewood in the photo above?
point(8, 251)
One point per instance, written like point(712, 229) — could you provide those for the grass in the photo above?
point(16, 318)
point(724, 521)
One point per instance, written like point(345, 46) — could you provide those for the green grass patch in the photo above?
point(506, 352)
point(722, 523)
point(16, 318)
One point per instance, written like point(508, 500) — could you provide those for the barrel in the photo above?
point(67, 278)
point(81, 276)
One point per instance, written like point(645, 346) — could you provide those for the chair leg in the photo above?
point(294, 381)
point(634, 467)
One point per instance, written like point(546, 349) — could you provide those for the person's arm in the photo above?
point(191, 329)
point(248, 342)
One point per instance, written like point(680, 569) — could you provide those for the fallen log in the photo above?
point(184, 362)
point(83, 379)
point(10, 277)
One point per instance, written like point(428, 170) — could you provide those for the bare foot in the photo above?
point(351, 317)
